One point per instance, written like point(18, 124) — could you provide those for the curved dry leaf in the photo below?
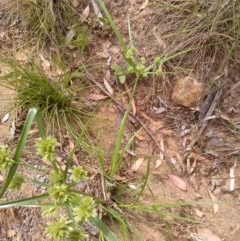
point(5, 118)
point(140, 137)
point(84, 14)
point(144, 5)
point(96, 10)
point(158, 163)
point(208, 235)
point(198, 157)
point(199, 213)
point(70, 35)
point(137, 164)
point(45, 63)
point(108, 87)
point(12, 129)
point(134, 108)
point(178, 182)
point(214, 199)
point(158, 111)
point(132, 186)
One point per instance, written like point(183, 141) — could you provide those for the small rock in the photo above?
point(187, 92)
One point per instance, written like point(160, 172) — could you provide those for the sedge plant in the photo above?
point(65, 207)
point(59, 101)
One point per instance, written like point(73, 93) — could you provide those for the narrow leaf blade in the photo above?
point(19, 150)
point(105, 230)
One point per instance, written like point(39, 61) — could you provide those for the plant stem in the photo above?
point(116, 158)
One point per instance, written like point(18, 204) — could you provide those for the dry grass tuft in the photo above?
point(41, 20)
point(205, 31)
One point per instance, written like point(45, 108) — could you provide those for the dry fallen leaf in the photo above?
point(214, 199)
point(96, 10)
point(158, 163)
point(173, 160)
point(119, 178)
point(144, 5)
point(178, 182)
point(159, 110)
point(140, 137)
point(132, 186)
point(199, 213)
point(70, 35)
point(232, 177)
point(208, 235)
point(137, 164)
point(96, 97)
point(181, 162)
point(45, 63)
point(5, 117)
point(12, 129)
point(198, 157)
point(84, 14)
point(134, 108)
point(161, 154)
point(108, 87)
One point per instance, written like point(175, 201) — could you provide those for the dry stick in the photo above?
point(148, 131)
point(205, 121)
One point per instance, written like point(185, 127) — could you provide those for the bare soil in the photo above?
point(205, 168)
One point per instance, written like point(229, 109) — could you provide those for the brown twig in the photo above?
point(209, 112)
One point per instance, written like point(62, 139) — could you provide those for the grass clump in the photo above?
point(54, 95)
point(46, 21)
point(206, 29)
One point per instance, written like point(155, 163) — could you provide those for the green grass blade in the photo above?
point(113, 26)
point(69, 212)
point(130, 33)
point(120, 156)
point(40, 124)
point(116, 157)
point(19, 150)
point(105, 230)
point(69, 161)
point(24, 202)
point(41, 184)
point(144, 183)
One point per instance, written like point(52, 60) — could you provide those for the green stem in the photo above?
point(116, 159)
point(144, 184)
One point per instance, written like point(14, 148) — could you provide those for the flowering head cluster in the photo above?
point(46, 148)
point(5, 160)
